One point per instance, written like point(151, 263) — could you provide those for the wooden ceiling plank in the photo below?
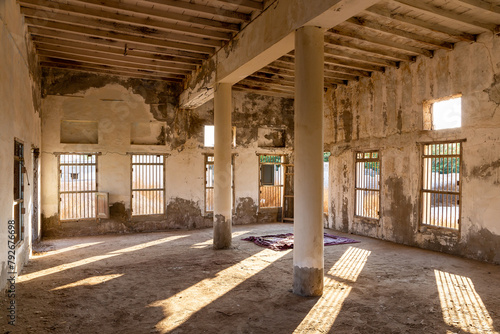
point(482, 4)
point(434, 43)
point(443, 13)
point(245, 3)
point(133, 25)
point(96, 59)
point(217, 12)
point(380, 41)
point(344, 70)
point(82, 30)
point(284, 83)
point(278, 71)
point(106, 67)
point(368, 59)
point(108, 72)
point(255, 84)
point(44, 43)
point(162, 14)
point(452, 33)
point(353, 64)
point(340, 76)
point(373, 50)
point(189, 57)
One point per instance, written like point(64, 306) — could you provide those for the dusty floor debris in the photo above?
point(173, 282)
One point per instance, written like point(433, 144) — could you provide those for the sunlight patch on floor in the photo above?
point(347, 269)
point(210, 242)
point(66, 266)
point(461, 305)
point(89, 281)
point(66, 249)
point(181, 306)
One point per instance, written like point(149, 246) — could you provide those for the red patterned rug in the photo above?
point(279, 242)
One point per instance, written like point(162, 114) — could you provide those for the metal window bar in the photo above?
point(367, 185)
point(441, 185)
point(148, 184)
point(209, 182)
point(77, 186)
point(271, 191)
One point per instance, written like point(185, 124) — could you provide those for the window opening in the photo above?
point(19, 171)
point(209, 136)
point(271, 180)
point(443, 114)
point(77, 186)
point(441, 185)
point(326, 169)
point(148, 184)
point(367, 186)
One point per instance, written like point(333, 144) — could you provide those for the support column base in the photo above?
point(222, 232)
point(308, 282)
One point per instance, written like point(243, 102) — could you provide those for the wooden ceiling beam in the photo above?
point(108, 72)
point(447, 14)
point(349, 71)
point(271, 81)
point(345, 53)
point(352, 63)
point(263, 86)
point(430, 42)
point(42, 15)
point(245, 3)
point(278, 71)
point(216, 12)
point(481, 4)
point(339, 76)
point(133, 8)
point(451, 33)
point(45, 43)
point(96, 59)
point(188, 57)
point(153, 74)
point(89, 31)
point(49, 10)
point(384, 42)
point(377, 51)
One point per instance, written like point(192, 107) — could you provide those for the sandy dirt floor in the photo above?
point(174, 282)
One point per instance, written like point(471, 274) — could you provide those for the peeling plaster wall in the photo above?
point(385, 112)
point(116, 104)
point(19, 110)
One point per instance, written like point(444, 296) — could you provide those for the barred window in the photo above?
point(271, 181)
point(441, 185)
point(367, 186)
point(148, 184)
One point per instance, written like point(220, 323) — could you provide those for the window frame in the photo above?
point(356, 188)
point(424, 226)
point(59, 191)
point(282, 163)
point(163, 182)
point(18, 178)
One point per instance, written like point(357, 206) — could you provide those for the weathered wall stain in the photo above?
point(401, 210)
point(485, 170)
point(246, 211)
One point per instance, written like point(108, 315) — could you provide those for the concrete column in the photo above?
point(308, 186)
point(222, 166)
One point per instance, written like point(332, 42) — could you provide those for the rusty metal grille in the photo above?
point(441, 185)
point(209, 182)
point(367, 187)
point(271, 181)
point(148, 184)
point(77, 186)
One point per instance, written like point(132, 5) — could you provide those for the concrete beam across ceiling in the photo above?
point(265, 39)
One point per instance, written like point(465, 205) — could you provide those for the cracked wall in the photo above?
point(137, 116)
point(385, 112)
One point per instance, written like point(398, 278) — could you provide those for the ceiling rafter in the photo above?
point(44, 43)
point(488, 6)
point(333, 39)
point(146, 22)
point(384, 42)
point(245, 3)
point(446, 14)
point(42, 16)
point(216, 12)
point(431, 42)
point(96, 59)
point(451, 33)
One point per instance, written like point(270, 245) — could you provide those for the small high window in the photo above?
point(443, 114)
point(209, 136)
